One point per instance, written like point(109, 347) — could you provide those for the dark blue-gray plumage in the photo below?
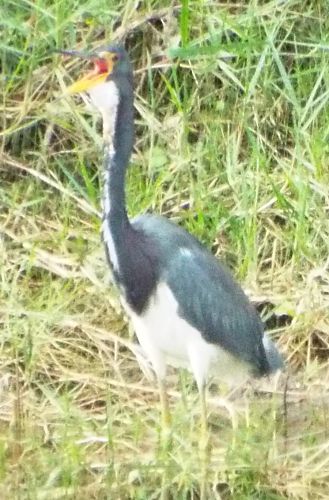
point(208, 297)
point(185, 306)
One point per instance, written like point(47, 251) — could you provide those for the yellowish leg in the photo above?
point(205, 449)
point(165, 438)
point(165, 412)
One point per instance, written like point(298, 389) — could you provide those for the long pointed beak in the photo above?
point(76, 53)
point(92, 78)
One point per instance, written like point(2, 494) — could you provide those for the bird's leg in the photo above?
point(165, 414)
point(165, 438)
point(204, 421)
point(205, 448)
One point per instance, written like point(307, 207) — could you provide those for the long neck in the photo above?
point(117, 154)
point(128, 252)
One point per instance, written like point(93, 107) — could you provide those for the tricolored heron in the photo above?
point(183, 303)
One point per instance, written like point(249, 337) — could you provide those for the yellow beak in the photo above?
point(94, 77)
point(87, 82)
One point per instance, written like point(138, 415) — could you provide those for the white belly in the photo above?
point(168, 338)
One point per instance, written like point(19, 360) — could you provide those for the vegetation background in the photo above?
point(232, 139)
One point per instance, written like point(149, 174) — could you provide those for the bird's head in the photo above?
point(109, 82)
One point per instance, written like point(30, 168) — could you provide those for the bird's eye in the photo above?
point(115, 57)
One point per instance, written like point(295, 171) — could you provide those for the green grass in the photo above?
point(232, 133)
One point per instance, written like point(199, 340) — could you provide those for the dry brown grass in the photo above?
point(244, 171)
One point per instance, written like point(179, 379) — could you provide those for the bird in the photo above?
point(185, 306)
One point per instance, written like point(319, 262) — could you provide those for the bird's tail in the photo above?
point(274, 358)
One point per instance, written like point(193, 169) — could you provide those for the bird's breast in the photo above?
point(162, 332)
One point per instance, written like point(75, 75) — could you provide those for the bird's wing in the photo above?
point(211, 301)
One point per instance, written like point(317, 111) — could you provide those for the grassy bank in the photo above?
point(232, 143)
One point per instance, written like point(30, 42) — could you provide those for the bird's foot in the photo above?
point(165, 438)
point(205, 456)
